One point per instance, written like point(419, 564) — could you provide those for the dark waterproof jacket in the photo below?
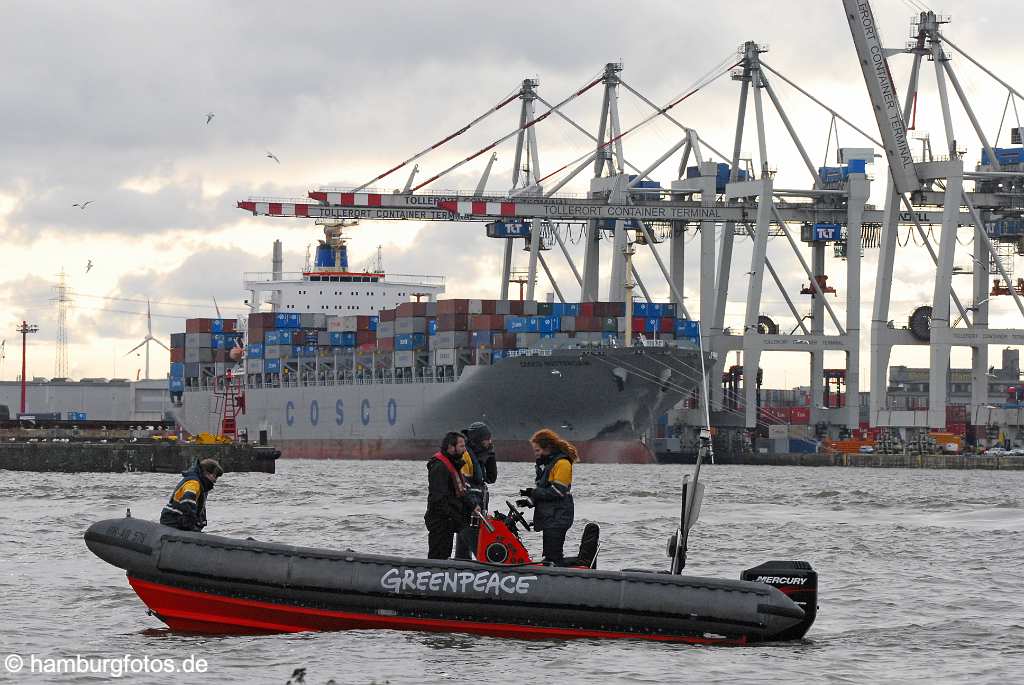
point(485, 470)
point(186, 510)
point(553, 505)
point(446, 509)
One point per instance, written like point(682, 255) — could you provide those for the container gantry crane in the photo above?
point(932, 185)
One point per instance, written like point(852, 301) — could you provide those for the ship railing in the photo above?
point(388, 278)
point(259, 382)
point(530, 352)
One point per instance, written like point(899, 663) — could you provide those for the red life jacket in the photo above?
point(458, 480)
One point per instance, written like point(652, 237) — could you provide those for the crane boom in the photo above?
point(882, 91)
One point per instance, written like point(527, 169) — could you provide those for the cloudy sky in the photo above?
point(107, 102)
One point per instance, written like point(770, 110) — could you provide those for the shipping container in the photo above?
point(405, 325)
point(488, 307)
point(411, 341)
point(385, 329)
point(201, 355)
point(527, 339)
point(254, 350)
point(386, 344)
point(502, 307)
point(449, 339)
point(177, 340)
point(177, 354)
point(800, 415)
point(198, 340)
point(548, 324)
point(254, 366)
point(387, 315)
point(444, 357)
point(452, 322)
point(411, 309)
point(404, 359)
point(177, 370)
point(272, 366)
point(173, 384)
point(198, 325)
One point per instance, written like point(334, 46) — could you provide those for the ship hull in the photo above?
point(605, 402)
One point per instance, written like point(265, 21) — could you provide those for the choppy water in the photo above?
point(921, 573)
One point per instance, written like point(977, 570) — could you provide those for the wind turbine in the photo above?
point(149, 337)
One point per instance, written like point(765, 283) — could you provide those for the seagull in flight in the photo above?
point(82, 205)
point(210, 116)
point(88, 266)
point(272, 156)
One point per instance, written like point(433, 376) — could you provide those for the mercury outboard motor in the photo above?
point(795, 579)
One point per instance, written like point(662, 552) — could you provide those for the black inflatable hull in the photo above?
point(207, 584)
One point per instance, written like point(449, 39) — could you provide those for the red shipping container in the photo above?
point(262, 320)
point(370, 347)
point(515, 307)
point(229, 325)
point(452, 307)
point(362, 323)
point(667, 325)
point(586, 309)
point(198, 325)
point(956, 428)
point(453, 322)
point(407, 309)
point(177, 354)
point(957, 413)
point(387, 315)
point(486, 322)
point(800, 415)
point(488, 307)
point(366, 338)
point(589, 324)
point(385, 344)
point(638, 324)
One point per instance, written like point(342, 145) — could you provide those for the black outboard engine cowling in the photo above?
point(798, 581)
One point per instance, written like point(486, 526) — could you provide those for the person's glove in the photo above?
point(526, 492)
point(524, 503)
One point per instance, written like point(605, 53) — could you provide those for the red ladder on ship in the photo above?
point(231, 398)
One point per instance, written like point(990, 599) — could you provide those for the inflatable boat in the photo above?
point(201, 583)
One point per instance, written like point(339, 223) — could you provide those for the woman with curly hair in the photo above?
point(550, 495)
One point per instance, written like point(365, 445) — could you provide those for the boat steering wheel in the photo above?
point(517, 516)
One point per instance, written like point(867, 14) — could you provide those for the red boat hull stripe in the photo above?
point(192, 611)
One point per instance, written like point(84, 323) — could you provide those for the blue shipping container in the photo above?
point(177, 369)
point(432, 326)
point(1005, 155)
point(373, 323)
point(280, 320)
point(176, 385)
point(496, 355)
point(254, 350)
point(217, 326)
point(516, 324)
point(667, 309)
point(651, 324)
point(641, 309)
point(548, 324)
point(547, 335)
point(309, 351)
point(410, 341)
point(687, 328)
point(272, 366)
point(294, 321)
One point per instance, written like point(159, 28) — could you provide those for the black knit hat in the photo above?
point(477, 432)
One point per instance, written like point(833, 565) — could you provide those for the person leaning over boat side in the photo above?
point(551, 496)
point(448, 503)
point(186, 509)
point(480, 467)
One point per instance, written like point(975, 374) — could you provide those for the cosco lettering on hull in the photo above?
point(365, 412)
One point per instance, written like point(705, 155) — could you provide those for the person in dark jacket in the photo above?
point(186, 510)
point(554, 510)
point(480, 467)
point(449, 505)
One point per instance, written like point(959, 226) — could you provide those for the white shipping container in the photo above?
point(335, 323)
point(404, 358)
point(476, 307)
point(444, 356)
point(254, 366)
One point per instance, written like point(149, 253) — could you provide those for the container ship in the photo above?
point(366, 365)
